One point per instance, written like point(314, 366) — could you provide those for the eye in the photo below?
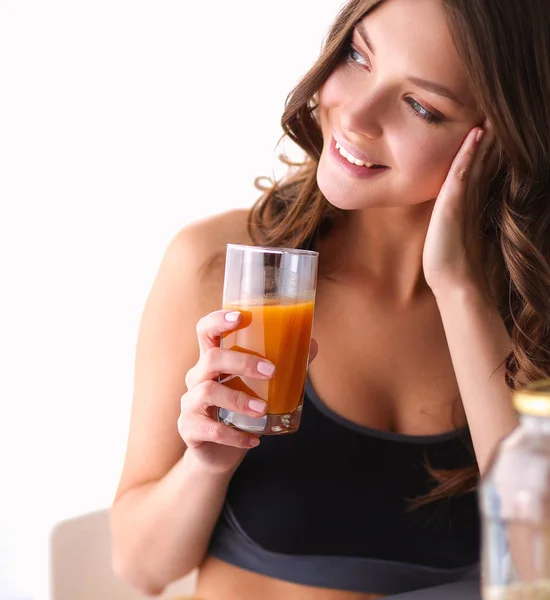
point(417, 110)
point(352, 55)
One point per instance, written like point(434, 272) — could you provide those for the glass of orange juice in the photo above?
point(274, 290)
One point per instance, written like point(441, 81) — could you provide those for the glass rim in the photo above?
point(272, 250)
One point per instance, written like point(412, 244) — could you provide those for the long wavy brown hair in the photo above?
point(505, 49)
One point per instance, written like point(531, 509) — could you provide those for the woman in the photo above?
point(426, 191)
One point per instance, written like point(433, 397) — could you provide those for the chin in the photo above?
point(346, 196)
point(347, 193)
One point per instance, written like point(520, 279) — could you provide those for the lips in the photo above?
point(355, 156)
point(354, 162)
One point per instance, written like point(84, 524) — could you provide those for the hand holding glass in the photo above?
point(274, 290)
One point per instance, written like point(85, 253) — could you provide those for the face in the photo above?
point(398, 99)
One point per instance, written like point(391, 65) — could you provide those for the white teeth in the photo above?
point(350, 158)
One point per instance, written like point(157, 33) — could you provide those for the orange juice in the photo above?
point(280, 332)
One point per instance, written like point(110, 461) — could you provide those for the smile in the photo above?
point(349, 157)
point(357, 168)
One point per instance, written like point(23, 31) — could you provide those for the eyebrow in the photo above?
point(365, 37)
point(439, 89)
point(430, 86)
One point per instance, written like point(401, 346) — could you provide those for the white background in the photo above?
point(120, 122)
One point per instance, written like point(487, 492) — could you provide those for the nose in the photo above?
point(363, 116)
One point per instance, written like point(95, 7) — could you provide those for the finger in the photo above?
point(313, 349)
point(460, 167)
point(212, 326)
point(455, 186)
point(211, 393)
point(485, 152)
point(217, 361)
point(201, 429)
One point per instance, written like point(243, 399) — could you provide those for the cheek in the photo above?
point(331, 95)
point(432, 156)
point(331, 91)
point(425, 161)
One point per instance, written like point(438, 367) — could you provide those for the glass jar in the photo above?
point(515, 505)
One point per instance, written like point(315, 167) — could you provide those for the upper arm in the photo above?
point(166, 349)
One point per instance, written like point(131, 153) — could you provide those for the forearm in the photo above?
point(161, 530)
point(479, 344)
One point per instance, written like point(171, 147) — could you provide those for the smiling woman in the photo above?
point(394, 99)
point(426, 191)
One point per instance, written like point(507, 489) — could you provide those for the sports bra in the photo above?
point(327, 507)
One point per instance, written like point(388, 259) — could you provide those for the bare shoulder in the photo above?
point(199, 249)
point(209, 236)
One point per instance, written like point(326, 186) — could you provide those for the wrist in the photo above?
point(195, 467)
point(459, 301)
point(460, 287)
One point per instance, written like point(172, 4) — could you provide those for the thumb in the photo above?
point(313, 349)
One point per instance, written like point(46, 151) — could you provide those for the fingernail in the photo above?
point(257, 405)
point(232, 316)
point(254, 442)
point(480, 135)
point(266, 368)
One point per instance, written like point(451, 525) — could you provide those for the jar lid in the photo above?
point(534, 399)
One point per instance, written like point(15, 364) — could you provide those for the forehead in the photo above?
point(414, 36)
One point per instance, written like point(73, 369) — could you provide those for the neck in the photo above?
point(380, 247)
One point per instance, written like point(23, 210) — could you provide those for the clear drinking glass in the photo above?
point(515, 505)
point(274, 290)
